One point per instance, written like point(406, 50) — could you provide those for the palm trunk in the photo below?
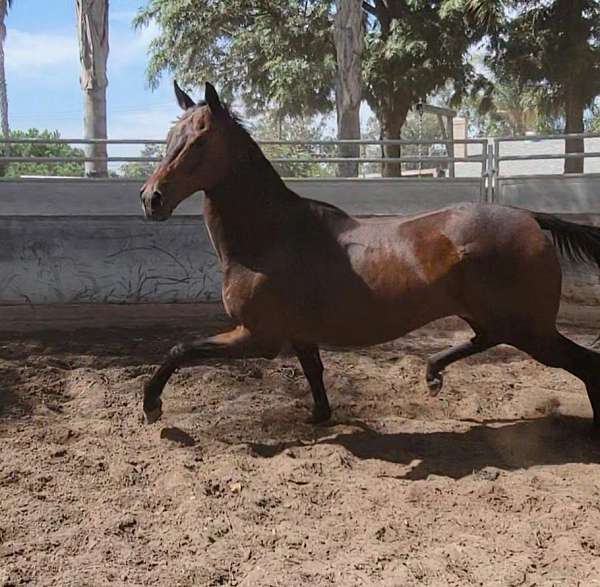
point(392, 119)
point(92, 20)
point(349, 43)
point(3, 90)
point(3, 96)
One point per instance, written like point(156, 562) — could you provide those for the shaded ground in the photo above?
point(497, 482)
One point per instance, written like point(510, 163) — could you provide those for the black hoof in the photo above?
point(434, 383)
point(152, 415)
point(320, 415)
point(152, 402)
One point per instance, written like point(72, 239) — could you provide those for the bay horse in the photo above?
point(304, 273)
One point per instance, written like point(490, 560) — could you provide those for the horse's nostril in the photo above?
point(156, 201)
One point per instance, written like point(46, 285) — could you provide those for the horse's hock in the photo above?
point(80, 241)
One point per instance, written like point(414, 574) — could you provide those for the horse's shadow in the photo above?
point(507, 445)
point(13, 402)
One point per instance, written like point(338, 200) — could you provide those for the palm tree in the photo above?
point(4, 6)
point(92, 29)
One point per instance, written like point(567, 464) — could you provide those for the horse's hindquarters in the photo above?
point(512, 286)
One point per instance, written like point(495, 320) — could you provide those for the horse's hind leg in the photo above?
point(236, 344)
point(437, 363)
point(310, 359)
point(559, 351)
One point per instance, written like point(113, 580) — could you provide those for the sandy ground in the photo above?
point(496, 482)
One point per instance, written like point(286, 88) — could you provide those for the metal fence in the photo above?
point(492, 158)
point(306, 152)
point(528, 172)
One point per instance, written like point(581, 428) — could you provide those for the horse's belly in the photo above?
point(397, 294)
point(381, 321)
point(362, 301)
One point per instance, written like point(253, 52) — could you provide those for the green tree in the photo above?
point(552, 49)
point(280, 54)
point(272, 128)
point(593, 121)
point(502, 107)
point(17, 169)
point(415, 127)
point(143, 169)
point(415, 49)
point(273, 54)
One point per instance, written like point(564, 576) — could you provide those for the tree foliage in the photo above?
point(280, 54)
point(414, 49)
point(270, 127)
point(273, 54)
point(143, 169)
point(17, 169)
point(552, 49)
point(507, 109)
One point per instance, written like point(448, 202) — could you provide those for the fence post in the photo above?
point(491, 174)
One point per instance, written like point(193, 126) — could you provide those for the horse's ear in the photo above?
point(212, 98)
point(183, 99)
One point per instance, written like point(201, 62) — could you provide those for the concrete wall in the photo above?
point(81, 241)
point(109, 259)
point(102, 197)
point(570, 194)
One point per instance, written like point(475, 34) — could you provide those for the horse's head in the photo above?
point(197, 155)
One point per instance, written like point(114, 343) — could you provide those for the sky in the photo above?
point(42, 70)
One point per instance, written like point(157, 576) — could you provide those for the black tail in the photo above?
point(577, 242)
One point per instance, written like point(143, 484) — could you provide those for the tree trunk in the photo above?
point(577, 42)
point(92, 28)
point(392, 119)
point(3, 90)
point(574, 124)
point(3, 96)
point(349, 43)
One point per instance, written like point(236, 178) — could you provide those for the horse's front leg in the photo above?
point(236, 344)
point(310, 359)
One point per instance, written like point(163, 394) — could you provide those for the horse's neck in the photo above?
point(244, 214)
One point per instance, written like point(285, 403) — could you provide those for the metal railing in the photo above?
point(489, 155)
point(498, 158)
point(307, 157)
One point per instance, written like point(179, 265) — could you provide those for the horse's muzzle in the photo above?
point(154, 206)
